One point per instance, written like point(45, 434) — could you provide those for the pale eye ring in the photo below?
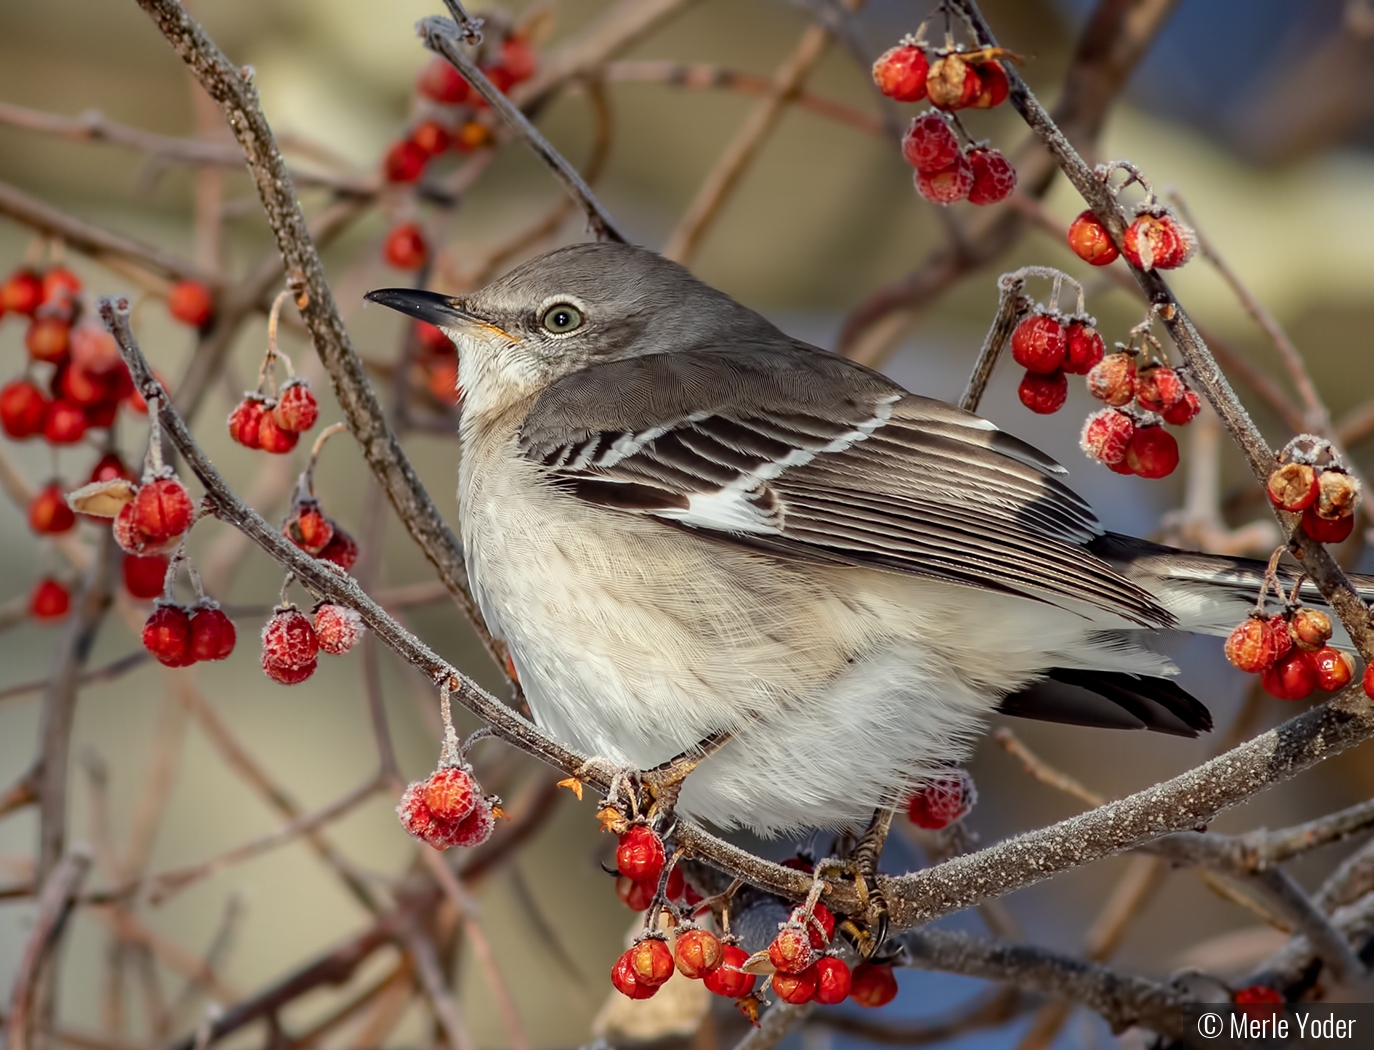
point(561, 318)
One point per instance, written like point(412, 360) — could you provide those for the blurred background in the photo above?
point(1257, 113)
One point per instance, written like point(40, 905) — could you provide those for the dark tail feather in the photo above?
point(1110, 700)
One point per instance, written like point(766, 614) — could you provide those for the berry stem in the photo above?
point(152, 463)
point(273, 353)
point(449, 754)
point(307, 481)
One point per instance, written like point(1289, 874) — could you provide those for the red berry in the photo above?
point(1254, 645)
point(929, 143)
point(308, 528)
point(1152, 453)
point(1084, 348)
point(1324, 530)
point(1293, 487)
point(272, 437)
point(144, 575)
point(728, 979)
point(246, 418)
point(791, 950)
point(1257, 994)
point(22, 293)
point(1043, 394)
point(1113, 379)
point(162, 510)
point(820, 927)
point(439, 81)
point(48, 338)
point(287, 675)
point(338, 628)
point(993, 176)
point(942, 801)
point(64, 423)
point(414, 815)
point(1184, 411)
point(900, 73)
point(212, 633)
point(697, 953)
point(289, 641)
point(833, 981)
point(640, 855)
point(471, 135)
point(432, 137)
point(167, 635)
point(49, 512)
point(995, 85)
point(1040, 344)
point(110, 467)
point(342, 550)
point(947, 185)
point(1294, 677)
point(1106, 435)
point(404, 162)
point(100, 415)
point(405, 247)
point(1338, 494)
point(626, 982)
point(1334, 669)
point(518, 57)
point(61, 287)
point(296, 409)
point(1090, 240)
point(472, 830)
point(95, 351)
point(49, 600)
point(191, 304)
point(651, 960)
point(797, 988)
point(451, 793)
point(23, 407)
point(1158, 388)
point(1367, 682)
point(637, 896)
point(874, 984)
point(1157, 242)
point(952, 83)
point(1310, 629)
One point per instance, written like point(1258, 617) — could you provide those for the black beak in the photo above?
point(437, 309)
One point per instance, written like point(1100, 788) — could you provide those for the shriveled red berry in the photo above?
point(1113, 379)
point(308, 528)
point(405, 247)
point(1152, 453)
point(63, 423)
point(1158, 388)
point(1043, 394)
point(797, 988)
point(697, 953)
point(23, 407)
point(1325, 530)
point(49, 512)
point(246, 419)
point(929, 143)
point(412, 812)
point(626, 982)
point(874, 984)
point(162, 510)
point(943, 800)
point(22, 293)
point(1293, 677)
point(953, 83)
point(993, 176)
point(1106, 435)
point(451, 793)
point(439, 81)
point(1293, 487)
point(1335, 669)
point(338, 628)
point(167, 635)
point(791, 950)
point(994, 85)
point(637, 896)
point(1184, 411)
point(144, 575)
point(1040, 344)
point(288, 640)
point(1253, 646)
point(1338, 494)
point(1090, 240)
point(296, 409)
point(404, 162)
point(833, 981)
point(947, 185)
point(432, 137)
point(1084, 348)
point(49, 600)
point(274, 438)
point(1158, 242)
point(342, 549)
point(212, 633)
point(472, 830)
point(651, 960)
point(728, 979)
point(1310, 629)
point(48, 338)
point(190, 303)
point(900, 73)
point(640, 855)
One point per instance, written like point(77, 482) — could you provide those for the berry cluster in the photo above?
point(954, 80)
point(946, 173)
point(1050, 346)
point(803, 973)
point(447, 809)
point(179, 636)
point(943, 800)
point(292, 641)
point(437, 363)
point(1291, 654)
point(320, 536)
point(1155, 239)
point(1324, 493)
point(274, 422)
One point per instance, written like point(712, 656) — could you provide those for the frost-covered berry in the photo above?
point(900, 73)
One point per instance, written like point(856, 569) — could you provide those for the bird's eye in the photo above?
point(561, 317)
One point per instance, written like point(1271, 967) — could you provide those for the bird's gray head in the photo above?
point(572, 308)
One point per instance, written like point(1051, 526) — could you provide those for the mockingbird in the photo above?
point(683, 522)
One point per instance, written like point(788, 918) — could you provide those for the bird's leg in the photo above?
point(663, 784)
point(870, 931)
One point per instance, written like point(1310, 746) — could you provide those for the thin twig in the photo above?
point(1011, 304)
point(780, 1019)
point(1043, 771)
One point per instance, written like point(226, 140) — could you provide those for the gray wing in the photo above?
point(809, 455)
